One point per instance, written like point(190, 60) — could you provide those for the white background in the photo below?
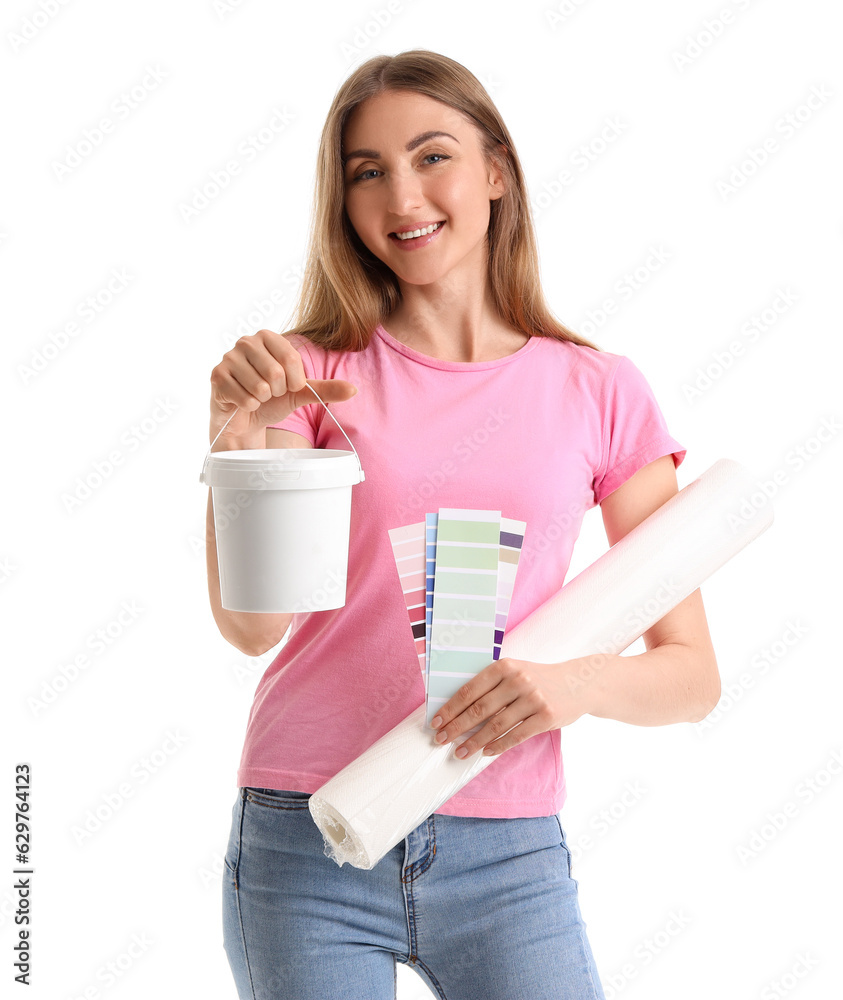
point(689, 121)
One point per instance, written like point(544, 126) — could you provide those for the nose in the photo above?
point(405, 193)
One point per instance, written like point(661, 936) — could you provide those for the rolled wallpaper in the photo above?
point(375, 801)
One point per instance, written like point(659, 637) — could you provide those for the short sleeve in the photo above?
point(303, 420)
point(634, 430)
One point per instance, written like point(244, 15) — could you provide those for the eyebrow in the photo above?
point(371, 154)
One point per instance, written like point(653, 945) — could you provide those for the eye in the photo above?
point(362, 176)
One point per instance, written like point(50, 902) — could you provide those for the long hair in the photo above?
point(346, 291)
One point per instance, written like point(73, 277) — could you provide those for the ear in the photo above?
point(497, 178)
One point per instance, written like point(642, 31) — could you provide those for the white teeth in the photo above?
point(419, 232)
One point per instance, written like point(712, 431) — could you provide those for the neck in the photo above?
point(450, 323)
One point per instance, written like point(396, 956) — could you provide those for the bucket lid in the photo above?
point(281, 469)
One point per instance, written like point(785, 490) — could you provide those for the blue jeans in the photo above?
point(482, 909)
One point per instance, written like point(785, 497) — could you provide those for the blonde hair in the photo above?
point(346, 291)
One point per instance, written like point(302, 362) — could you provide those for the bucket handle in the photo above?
point(322, 401)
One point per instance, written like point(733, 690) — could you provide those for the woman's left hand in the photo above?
point(533, 697)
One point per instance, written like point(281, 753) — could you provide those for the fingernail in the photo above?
point(462, 752)
point(441, 737)
point(437, 721)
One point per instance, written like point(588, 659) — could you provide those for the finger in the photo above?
point(230, 388)
point(516, 735)
point(287, 356)
point(484, 682)
point(494, 730)
point(535, 720)
point(474, 716)
point(269, 368)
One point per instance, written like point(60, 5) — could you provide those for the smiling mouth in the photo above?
point(419, 233)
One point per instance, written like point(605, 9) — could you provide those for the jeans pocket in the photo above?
point(564, 843)
point(231, 859)
point(276, 798)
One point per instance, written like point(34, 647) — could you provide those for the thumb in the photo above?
point(331, 390)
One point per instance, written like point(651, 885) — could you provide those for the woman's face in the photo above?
point(440, 179)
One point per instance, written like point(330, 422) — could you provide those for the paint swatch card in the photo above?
point(457, 573)
point(432, 523)
point(408, 550)
point(462, 634)
point(511, 542)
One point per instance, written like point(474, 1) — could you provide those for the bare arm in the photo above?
point(677, 678)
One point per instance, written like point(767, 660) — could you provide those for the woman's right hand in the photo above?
point(264, 376)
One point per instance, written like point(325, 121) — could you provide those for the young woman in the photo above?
point(459, 389)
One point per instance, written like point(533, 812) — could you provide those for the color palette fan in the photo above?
point(457, 572)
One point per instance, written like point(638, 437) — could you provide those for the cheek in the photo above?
point(465, 197)
point(362, 222)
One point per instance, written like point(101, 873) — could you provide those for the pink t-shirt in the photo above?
point(542, 435)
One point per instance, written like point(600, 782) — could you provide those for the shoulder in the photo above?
point(581, 353)
point(306, 345)
point(313, 355)
point(591, 369)
point(300, 342)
